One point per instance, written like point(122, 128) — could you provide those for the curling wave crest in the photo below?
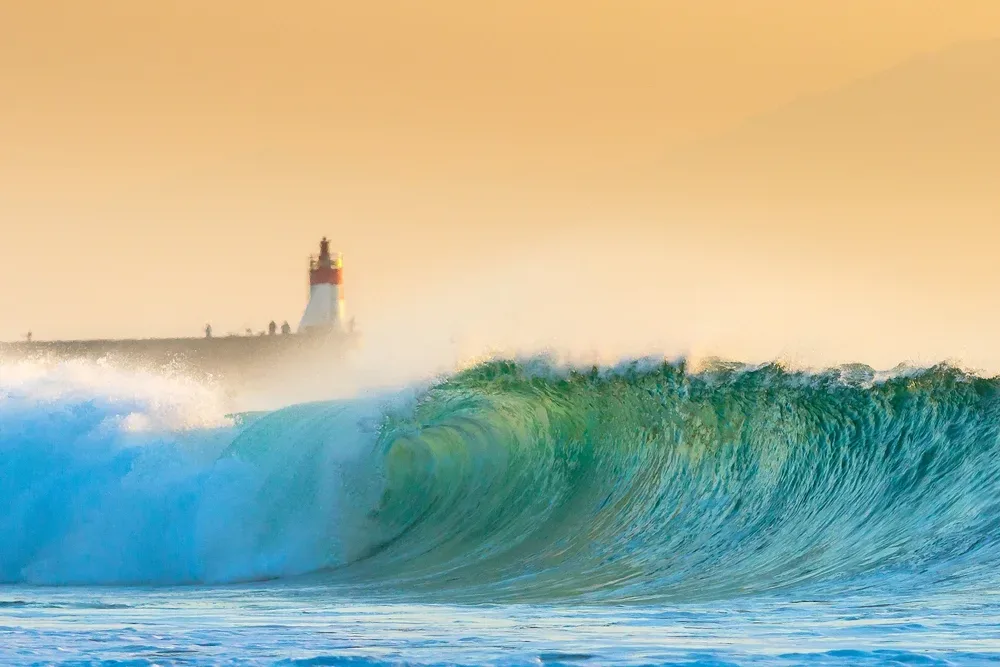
point(519, 481)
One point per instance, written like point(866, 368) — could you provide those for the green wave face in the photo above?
point(518, 481)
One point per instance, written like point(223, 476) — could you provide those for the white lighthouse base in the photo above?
point(325, 310)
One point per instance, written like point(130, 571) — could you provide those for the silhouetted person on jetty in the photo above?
point(208, 331)
point(285, 329)
point(272, 328)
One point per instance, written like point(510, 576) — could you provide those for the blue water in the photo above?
point(514, 513)
point(290, 624)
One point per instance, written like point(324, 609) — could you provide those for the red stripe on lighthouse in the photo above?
point(326, 275)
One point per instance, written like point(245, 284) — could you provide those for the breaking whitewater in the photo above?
point(853, 515)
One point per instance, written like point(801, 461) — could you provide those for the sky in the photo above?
point(756, 179)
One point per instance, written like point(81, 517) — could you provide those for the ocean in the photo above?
point(517, 512)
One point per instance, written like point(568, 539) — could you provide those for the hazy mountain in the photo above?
point(928, 129)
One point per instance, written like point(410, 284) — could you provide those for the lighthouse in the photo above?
point(326, 309)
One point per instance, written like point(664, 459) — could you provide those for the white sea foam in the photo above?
point(112, 476)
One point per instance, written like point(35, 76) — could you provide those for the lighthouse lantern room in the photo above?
point(326, 309)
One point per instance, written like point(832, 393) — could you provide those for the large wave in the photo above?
point(513, 481)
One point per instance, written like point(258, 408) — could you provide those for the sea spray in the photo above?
point(117, 477)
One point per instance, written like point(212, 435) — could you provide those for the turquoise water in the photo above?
point(310, 624)
point(513, 513)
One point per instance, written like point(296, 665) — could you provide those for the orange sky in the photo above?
point(491, 170)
